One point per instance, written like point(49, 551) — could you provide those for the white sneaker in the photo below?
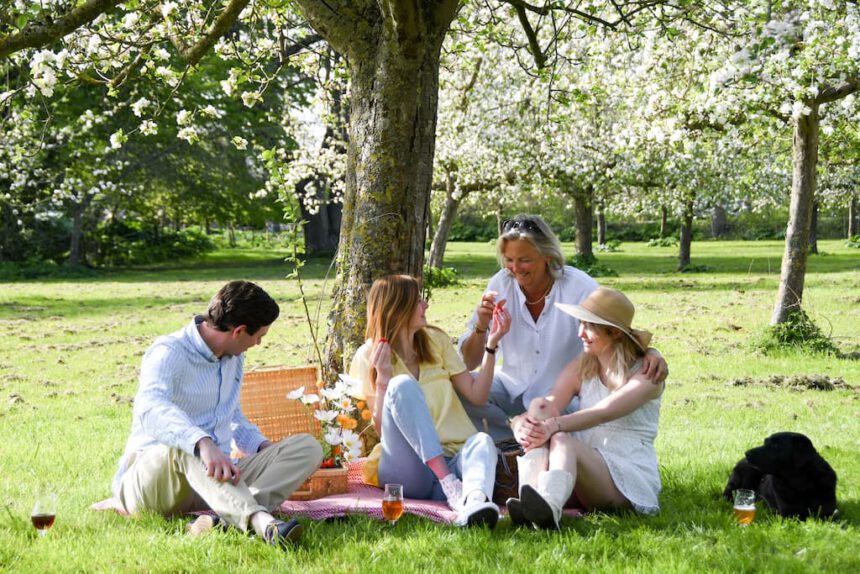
point(453, 489)
point(478, 514)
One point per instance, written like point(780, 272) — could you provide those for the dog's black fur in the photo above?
point(789, 474)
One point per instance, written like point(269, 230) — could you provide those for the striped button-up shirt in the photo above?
point(186, 393)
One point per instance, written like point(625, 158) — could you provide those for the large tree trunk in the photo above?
point(664, 220)
point(852, 217)
point(686, 240)
point(392, 49)
point(583, 206)
point(719, 221)
point(804, 160)
point(440, 238)
point(601, 223)
point(813, 229)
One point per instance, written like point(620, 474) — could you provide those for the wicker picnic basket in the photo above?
point(265, 403)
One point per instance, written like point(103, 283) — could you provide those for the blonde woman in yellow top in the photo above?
point(410, 375)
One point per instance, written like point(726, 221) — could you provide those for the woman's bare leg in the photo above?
point(593, 483)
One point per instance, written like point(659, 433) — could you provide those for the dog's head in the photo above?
point(782, 453)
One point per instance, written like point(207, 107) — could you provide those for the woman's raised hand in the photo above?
point(380, 358)
point(485, 310)
point(500, 326)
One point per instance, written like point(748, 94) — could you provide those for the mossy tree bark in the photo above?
point(392, 48)
point(805, 162)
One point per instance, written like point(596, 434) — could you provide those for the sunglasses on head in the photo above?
point(521, 224)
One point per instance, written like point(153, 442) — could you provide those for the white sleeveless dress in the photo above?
point(627, 446)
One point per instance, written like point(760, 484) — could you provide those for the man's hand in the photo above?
point(654, 366)
point(217, 464)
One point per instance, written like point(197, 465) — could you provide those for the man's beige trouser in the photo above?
point(171, 481)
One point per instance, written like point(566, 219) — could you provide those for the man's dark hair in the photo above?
point(241, 303)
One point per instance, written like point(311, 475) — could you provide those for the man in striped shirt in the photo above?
point(187, 416)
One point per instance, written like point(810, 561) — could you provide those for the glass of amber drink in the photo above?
point(392, 503)
point(744, 506)
point(44, 512)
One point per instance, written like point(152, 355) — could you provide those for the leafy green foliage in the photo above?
point(697, 269)
point(798, 333)
point(122, 243)
point(669, 241)
point(853, 242)
point(443, 277)
point(592, 266)
point(611, 246)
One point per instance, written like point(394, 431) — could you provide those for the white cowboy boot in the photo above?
point(542, 506)
point(529, 466)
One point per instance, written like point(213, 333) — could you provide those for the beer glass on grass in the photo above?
point(744, 506)
point(44, 512)
point(392, 503)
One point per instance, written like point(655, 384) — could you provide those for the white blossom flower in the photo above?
point(310, 399)
point(332, 394)
point(183, 117)
point(332, 436)
point(296, 393)
point(325, 416)
point(350, 439)
point(189, 134)
point(129, 20)
point(250, 98)
point(167, 8)
point(117, 139)
point(148, 128)
point(239, 143)
point(137, 107)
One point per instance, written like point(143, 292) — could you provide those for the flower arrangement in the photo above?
point(342, 420)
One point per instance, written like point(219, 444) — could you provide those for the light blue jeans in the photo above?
point(409, 440)
point(493, 417)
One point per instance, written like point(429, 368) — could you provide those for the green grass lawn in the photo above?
point(72, 348)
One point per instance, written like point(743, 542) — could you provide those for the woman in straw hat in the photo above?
point(532, 280)
point(410, 375)
point(604, 452)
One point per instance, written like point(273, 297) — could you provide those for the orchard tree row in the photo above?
point(115, 108)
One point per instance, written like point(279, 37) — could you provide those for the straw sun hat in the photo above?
point(608, 307)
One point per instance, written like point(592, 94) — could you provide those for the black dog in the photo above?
point(789, 474)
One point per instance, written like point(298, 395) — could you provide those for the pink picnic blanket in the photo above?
point(360, 498)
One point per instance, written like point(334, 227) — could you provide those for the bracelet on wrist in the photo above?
point(480, 331)
point(490, 351)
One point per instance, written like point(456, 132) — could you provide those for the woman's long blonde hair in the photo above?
point(625, 353)
point(391, 303)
